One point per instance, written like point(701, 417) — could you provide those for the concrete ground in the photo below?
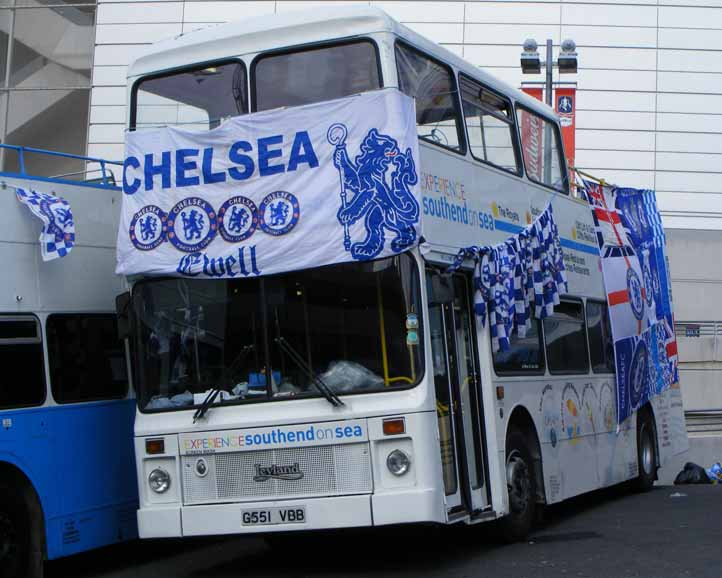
point(667, 533)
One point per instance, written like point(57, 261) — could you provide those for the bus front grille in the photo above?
point(333, 470)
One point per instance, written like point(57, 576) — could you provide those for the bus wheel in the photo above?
point(15, 537)
point(521, 488)
point(646, 453)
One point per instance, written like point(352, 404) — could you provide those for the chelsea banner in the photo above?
point(273, 191)
point(632, 246)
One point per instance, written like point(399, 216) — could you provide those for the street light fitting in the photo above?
point(530, 62)
point(567, 60)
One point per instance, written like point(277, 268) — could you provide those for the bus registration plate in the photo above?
point(272, 516)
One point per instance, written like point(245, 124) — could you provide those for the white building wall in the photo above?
point(650, 77)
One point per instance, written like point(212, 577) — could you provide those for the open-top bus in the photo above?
point(443, 431)
point(66, 412)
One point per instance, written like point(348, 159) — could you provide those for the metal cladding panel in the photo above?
point(330, 470)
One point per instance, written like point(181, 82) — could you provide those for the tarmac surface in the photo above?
point(672, 531)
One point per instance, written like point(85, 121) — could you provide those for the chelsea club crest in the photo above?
point(279, 213)
point(237, 219)
point(634, 289)
point(148, 228)
point(191, 225)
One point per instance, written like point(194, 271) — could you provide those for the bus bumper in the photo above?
point(418, 505)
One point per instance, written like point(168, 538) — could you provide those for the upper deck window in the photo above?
point(565, 340)
point(541, 145)
point(198, 98)
point(490, 126)
point(310, 75)
point(432, 85)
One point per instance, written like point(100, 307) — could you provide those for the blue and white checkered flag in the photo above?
point(58, 235)
point(518, 279)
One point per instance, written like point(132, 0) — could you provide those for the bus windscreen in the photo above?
point(356, 326)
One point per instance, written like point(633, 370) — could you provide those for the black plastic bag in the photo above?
point(692, 474)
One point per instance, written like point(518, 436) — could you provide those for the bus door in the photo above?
point(458, 395)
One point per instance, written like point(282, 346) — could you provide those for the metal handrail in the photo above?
point(21, 150)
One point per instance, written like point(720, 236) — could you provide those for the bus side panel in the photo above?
point(24, 445)
point(92, 467)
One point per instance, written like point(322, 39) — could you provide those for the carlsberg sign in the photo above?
point(274, 191)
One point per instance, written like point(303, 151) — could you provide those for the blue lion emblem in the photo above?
point(384, 204)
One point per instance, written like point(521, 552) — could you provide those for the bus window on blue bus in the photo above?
point(196, 98)
point(524, 355)
point(431, 83)
point(22, 382)
point(308, 75)
point(86, 358)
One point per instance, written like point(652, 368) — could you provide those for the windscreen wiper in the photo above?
point(213, 393)
point(210, 398)
point(326, 391)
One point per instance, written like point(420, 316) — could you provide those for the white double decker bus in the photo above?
point(419, 421)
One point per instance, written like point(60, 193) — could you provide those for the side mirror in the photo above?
point(442, 290)
point(122, 311)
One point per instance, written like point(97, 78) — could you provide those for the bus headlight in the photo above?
point(398, 462)
point(159, 481)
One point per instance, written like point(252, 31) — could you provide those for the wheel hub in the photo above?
point(518, 482)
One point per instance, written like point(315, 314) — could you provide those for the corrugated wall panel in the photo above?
point(650, 79)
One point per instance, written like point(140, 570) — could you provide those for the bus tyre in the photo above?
point(646, 453)
point(15, 534)
point(521, 488)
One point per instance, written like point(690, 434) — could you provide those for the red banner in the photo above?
point(566, 105)
point(531, 138)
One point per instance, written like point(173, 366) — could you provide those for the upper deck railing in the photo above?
point(100, 177)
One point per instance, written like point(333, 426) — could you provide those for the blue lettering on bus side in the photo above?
point(265, 155)
point(130, 188)
point(209, 177)
point(186, 170)
point(163, 169)
point(182, 166)
point(237, 157)
point(302, 152)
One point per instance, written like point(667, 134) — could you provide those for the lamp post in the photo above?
point(532, 64)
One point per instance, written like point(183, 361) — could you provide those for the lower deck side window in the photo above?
point(87, 360)
point(22, 381)
point(524, 355)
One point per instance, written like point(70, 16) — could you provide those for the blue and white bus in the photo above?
point(67, 479)
point(437, 428)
